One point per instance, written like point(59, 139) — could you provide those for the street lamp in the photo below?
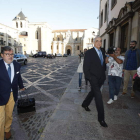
point(93, 33)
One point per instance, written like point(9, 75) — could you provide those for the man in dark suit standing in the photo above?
point(94, 69)
point(10, 79)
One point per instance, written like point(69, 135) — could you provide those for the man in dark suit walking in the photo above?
point(10, 79)
point(94, 69)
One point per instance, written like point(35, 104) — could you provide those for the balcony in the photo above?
point(9, 44)
point(15, 45)
point(1, 34)
point(1, 42)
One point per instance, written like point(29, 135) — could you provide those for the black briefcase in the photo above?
point(25, 105)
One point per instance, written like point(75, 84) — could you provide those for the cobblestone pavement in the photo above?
point(46, 80)
point(60, 116)
point(71, 122)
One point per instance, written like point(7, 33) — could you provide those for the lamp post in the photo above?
point(93, 33)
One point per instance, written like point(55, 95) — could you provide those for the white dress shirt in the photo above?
point(12, 70)
point(98, 53)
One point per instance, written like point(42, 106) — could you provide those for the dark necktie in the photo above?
point(9, 71)
point(100, 56)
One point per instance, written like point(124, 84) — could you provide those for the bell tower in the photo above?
point(20, 22)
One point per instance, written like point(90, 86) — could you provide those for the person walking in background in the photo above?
point(81, 55)
point(115, 62)
point(10, 79)
point(94, 69)
point(131, 63)
point(80, 71)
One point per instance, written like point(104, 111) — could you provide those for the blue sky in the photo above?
point(59, 14)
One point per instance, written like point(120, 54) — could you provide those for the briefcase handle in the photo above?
point(20, 91)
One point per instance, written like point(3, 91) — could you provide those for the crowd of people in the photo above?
point(93, 64)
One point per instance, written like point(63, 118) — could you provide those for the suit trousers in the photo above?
point(6, 116)
point(127, 74)
point(95, 92)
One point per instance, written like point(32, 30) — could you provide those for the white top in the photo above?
point(138, 71)
point(12, 70)
point(80, 67)
point(115, 69)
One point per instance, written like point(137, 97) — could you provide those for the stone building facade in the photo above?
point(39, 36)
point(119, 23)
point(10, 37)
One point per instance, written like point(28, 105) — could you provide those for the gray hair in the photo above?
point(6, 48)
point(96, 38)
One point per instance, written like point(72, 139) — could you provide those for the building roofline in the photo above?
point(65, 30)
point(9, 27)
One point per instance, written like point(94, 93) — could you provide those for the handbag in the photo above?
point(25, 105)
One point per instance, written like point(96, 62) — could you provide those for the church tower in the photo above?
point(20, 22)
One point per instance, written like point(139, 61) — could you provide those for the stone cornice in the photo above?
point(124, 18)
point(136, 5)
point(125, 14)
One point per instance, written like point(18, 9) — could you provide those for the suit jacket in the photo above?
point(6, 85)
point(92, 67)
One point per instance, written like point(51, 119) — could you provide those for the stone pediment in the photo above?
point(136, 5)
point(127, 8)
point(111, 25)
point(124, 14)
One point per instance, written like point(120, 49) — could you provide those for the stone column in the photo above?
point(129, 32)
point(119, 37)
point(60, 47)
point(54, 47)
point(64, 47)
point(138, 36)
point(72, 53)
point(114, 39)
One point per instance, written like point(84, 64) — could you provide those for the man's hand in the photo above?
point(23, 89)
point(112, 55)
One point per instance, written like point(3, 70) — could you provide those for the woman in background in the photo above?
point(80, 71)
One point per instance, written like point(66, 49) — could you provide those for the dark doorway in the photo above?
point(124, 37)
point(111, 39)
point(68, 52)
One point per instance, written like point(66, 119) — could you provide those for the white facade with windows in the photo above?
point(119, 23)
point(10, 37)
point(39, 36)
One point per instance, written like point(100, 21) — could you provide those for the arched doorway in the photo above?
point(68, 51)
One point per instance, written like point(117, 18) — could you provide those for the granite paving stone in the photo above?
point(39, 84)
point(59, 114)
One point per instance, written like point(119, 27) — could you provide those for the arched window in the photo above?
point(77, 47)
point(21, 24)
point(58, 39)
point(16, 24)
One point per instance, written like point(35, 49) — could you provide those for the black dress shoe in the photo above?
point(103, 123)
point(86, 108)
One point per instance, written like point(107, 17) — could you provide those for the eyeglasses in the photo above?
point(7, 54)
